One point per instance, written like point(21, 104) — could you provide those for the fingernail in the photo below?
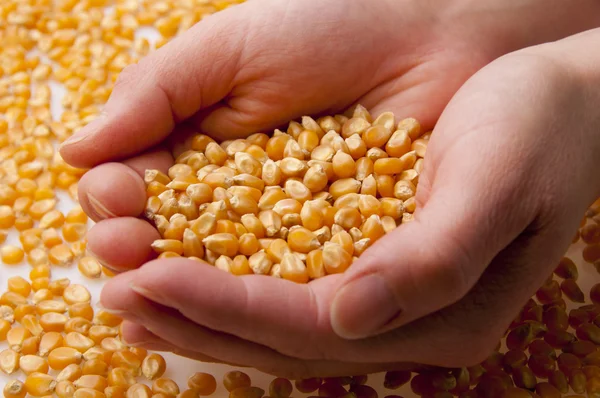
point(363, 307)
point(98, 208)
point(146, 293)
point(89, 130)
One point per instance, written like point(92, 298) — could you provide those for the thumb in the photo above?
point(167, 86)
point(432, 262)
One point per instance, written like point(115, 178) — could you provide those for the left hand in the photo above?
point(509, 172)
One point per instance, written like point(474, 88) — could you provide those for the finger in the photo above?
point(188, 336)
point(122, 243)
point(97, 190)
point(117, 189)
point(291, 318)
point(166, 87)
point(273, 312)
point(138, 336)
point(466, 332)
point(429, 263)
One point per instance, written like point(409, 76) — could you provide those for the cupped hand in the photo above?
point(496, 203)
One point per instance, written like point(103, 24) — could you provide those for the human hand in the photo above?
point(272, 338)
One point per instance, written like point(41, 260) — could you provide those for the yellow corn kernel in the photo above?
point(22, 309)
point(90, 267)
point(218, 209)
point(248, 244)
point(64, 389)
point(61, 357)
point(39, 384)
point(293, 269)
point(409, 159)
point(51, 238)
point(348, 217)
point(11, 254)
point(14, 389)
point(409, 175)
point(12, 299)
point(107, 319)
point(76, 216)
point(225, 244)
point(404, 190)
point(9, 361)
point(95, 382)
point(41, 295)
point(376, 153)
point(49, 341)
point(344, 165)
point(215, 154)
point(32, 364)
point(165, 386)
point(344, 186)
point(290, 220)
point(276, 145)
point(7, 217)
point(46, 306)
point(344, 239)
point(19, 285)
point(52, 219)
point(120, 377)
point(7, 315)
point(373, 228)
point(271, 197)
point(420, 147)
point(242, 204)
point(30, 346)
point(75, 293)
point(248, 180)
point(410, 204)
point(376, 136)
point(302, 240)
point(95, 366)
point(88, 393)
point(60, 255)
point(16, 336)
point(53, 322)
point(153, 366)
point(41, 207)
point(167, 245)
point(74, 232)
point(126, 359)
point(31, 323)
point(260, 263)
point(78, 341)
point(139, 390)
point(69, 373)
point(58, 286)
point(82, 310)
point(388, 166)
point(335, 258)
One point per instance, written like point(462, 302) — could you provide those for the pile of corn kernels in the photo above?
point(298, 205)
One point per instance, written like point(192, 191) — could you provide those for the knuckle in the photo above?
point(448, 266)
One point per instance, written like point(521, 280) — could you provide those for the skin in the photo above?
point(508, 174)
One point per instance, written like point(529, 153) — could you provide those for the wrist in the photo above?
point(509, 25)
